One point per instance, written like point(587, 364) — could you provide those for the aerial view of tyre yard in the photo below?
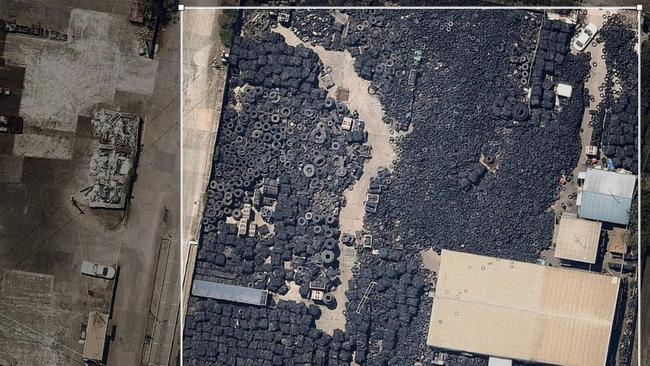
point(411, 187)
point(89, 185)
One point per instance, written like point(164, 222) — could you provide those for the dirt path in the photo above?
point(383, 154)
point(596, 79)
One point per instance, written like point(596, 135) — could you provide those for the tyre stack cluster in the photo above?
point(227, 334)
point(620, 94)
point(272, 63)
point(620, 138)
point(468, 60)
point(554, 64)
point(280, 153)
point(552, 50)
point(451, 100)
point(287, 131)
point(319, 25)
point(394, 313)
point(373, 3)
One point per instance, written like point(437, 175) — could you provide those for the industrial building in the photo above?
point(522, 311)
point(220, 291)
point(577, 239)
point(606, 196)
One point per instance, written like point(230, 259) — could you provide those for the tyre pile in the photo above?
point(451, 101)
point(280, 128)
point(440, 196)
point(549, 69)
point(620, 94)
point(361, 3)
point(440, 74)
point(226, 334)
point(395, 315)
point(280, 154)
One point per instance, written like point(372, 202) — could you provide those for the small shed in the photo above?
point(496, 361)
point(564, 90)
point(577, 239)
point(95, 336)
point(617, 244)
point(606, 196)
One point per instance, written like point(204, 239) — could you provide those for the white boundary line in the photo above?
point(181, 272)
point(640, 174)
point(637, 8)
point(408, 7)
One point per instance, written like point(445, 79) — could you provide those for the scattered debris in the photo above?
point(113, 164)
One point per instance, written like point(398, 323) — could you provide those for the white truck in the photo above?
point(97, 270)
point(585, 36)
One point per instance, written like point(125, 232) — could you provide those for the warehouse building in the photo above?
point(522, 311)
point(577, 239)
point(606, 196)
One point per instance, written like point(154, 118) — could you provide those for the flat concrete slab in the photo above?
point(64, 79)
point(11, 168)
point(43, 146)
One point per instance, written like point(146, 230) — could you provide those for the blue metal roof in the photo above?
point(607, 196)
point(220, 291)
point(603, 207)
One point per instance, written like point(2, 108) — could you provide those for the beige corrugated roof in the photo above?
point(95, 335)
point(617, 242)
point(577, 239)
point(522, 311)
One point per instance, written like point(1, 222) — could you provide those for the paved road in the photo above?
point(202, 95)
point(152, 215)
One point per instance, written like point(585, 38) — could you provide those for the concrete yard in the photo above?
point(64, 80)
point(37, 312)
point(42, 232)
point(202, 93)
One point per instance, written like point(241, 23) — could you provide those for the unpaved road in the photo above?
point(596, 79)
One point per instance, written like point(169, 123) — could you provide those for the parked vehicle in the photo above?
point(97, 270)
point(585, 36)
point(13, 125)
